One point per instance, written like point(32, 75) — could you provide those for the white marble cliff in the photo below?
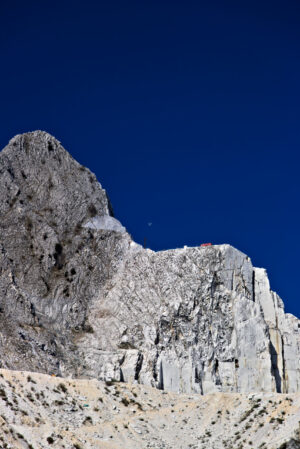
point(78, 297)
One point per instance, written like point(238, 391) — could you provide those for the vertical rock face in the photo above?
point(79, 297)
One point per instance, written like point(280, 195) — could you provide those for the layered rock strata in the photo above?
point(78, 297)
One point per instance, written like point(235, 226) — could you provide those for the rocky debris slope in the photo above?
point(38, 412)
point(78, 297)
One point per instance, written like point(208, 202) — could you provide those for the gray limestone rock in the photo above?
point(79, 297)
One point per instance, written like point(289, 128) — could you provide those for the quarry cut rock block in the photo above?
point(78, 297)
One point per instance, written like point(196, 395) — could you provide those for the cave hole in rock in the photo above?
point(66, 292)
point(50, 147)
point(58, 256)
point(92, 210)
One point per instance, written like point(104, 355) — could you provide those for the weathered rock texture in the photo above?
point(38, 411)
point(78, 297)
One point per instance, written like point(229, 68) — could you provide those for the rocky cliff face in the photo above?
point(79, 297)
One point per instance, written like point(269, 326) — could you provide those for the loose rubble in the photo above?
point(38, 411)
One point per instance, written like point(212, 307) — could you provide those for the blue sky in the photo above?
point(188, 113)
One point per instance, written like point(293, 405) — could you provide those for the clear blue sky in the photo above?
point(187, 111)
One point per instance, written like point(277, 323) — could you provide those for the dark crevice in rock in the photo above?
point(214, 285)
point(215, 372)
point(138, 366)
point(46, 285)
point(154, 368)
point(32, 309)
point(122, 360)
point(285, 389)
point(274, 367)
point(58, 256)
point(198, 378)
point(11, 172)
point(161, 377)
point(253, 285)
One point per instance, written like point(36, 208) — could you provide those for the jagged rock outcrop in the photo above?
point(79, 297)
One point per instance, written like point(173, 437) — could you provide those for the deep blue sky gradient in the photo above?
point(187, 111)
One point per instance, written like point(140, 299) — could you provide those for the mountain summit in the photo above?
point(78, 297)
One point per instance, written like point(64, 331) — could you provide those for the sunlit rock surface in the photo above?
point(40, 411)
point(78, 297)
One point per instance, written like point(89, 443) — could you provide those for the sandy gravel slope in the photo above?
point(40, 411)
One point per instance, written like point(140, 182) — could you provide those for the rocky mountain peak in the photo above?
point(78, 297)
point(40, 175)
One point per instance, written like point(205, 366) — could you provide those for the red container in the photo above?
point(206, 244)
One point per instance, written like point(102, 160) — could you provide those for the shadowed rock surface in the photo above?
point(79, 297)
